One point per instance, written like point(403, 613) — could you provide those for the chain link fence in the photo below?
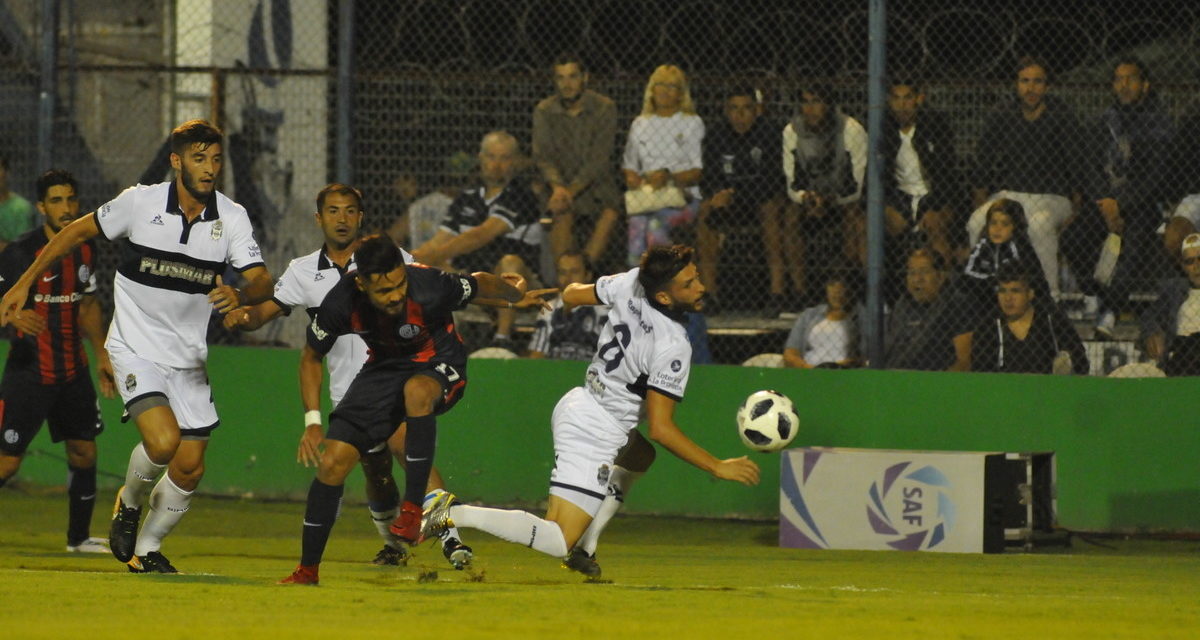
point(1089, 149)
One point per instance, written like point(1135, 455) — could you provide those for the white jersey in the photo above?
point(161, 288)
point(640, 348)
point(304, 284)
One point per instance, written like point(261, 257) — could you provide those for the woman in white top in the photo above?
point(663, 156)
point(826, 335)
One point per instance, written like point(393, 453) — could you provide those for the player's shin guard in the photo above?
point(168, 503)
point(420, 442)
point(142, 473)
point(515, 526)
point(619, 483)
point(324, 501)
point(81, 501)
point(382, 519)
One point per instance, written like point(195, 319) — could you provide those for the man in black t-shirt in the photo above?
point(417, 369)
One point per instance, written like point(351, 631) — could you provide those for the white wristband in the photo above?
point(312, 417)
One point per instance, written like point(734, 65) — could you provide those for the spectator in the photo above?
point(826, 335)
point(560, 335)
point(1183, 169)
point(1170, 328)
point(16, 214)
point(742, 187)
point(824, 162)
point(492, 227)
point(1031, 151)
point(930, 328)
point(573, 132)
point(1131, 139)
point(662, 164)
point(421, 219)
point(1005, 244)
point(1023, 336)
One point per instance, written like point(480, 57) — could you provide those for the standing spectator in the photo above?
point(492, 227)
point(1131, 141)
point(662, 164)
point(1024, 336)
point(569, 335)
point(930, 328)
point(828, 334)
point(1031, 151)
point(742, 187)
point(16, 214)
point(824, 162)
point(1170, 328)
point(573, 132)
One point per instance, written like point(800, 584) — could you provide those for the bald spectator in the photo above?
point(1170, 328)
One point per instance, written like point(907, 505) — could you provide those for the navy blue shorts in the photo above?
point(69, 408)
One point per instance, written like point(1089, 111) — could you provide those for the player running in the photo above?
point(182, 235)
point(641, 366)
point(46, 374)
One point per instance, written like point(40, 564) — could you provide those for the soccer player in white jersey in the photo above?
point(304, 285)
point(182, 235)
point(641, 367)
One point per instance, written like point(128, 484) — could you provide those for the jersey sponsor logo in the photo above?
point(661, 379)
point(217, 231)
point(105, 210)
point(318, 332)
point(130, 383)
point(254, 251)
point(157, 219)
point(49, 278)
point(408, 331)
point(61, 299)
point(179, 270)
point(84, 273)
point(11, 436)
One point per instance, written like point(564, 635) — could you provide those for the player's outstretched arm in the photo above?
point(252, 317)
point(660, 413)
point(311, 374)
point(62, 244)
point(509, 287)
point(578, 294)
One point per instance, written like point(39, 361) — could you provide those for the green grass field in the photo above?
point(664, 577)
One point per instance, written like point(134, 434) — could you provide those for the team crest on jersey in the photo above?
point(602, 474)
point(217, 230)
point(11, 436)
point(676, 366)
point(408, 331)
point(84, 273)
point(130, 383)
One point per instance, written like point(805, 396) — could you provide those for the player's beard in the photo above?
point(191, 184)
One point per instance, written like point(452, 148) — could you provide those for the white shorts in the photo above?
point(586, 441)
point(186, 391)
point(1189, 209)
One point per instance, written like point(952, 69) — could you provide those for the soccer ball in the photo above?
point(767, 421)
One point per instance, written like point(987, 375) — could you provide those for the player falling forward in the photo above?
point(182, 235)
point(642, 363)
point(46, 374)
point(417, 370)
point(304, 284)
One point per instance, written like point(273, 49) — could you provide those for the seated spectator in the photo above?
point(491, 227)
point(824, 162)
point(827, 335)
point(930, 328)
point(560, 335)
point(16, 214)
point(421, 220)
point(1031, 151)
point(1183, 181)
point(662, 161)
point(1023, 336)
point(743, 187)
point(1170, 328)
point(1005, 244)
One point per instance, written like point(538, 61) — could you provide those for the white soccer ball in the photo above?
point(767, 421)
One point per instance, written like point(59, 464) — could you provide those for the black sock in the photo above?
point(81, 499)
point(323, 504)
point(419, 445)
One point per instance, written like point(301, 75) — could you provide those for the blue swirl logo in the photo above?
point(911, 507)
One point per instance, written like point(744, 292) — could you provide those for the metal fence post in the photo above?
point(877, 55)
point(48, 89)
point(343, 162)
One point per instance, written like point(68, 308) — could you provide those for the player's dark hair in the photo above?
point(1012, 272)
point(569, 57)
point(822, 90)
point(377, 255)
point(905, 80)
point(661, 264)
point(738, 90)
point(53, 178)
point(200, 132)
point(341, 190)
point(1012, 209)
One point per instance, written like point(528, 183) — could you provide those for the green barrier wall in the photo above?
point(1127, 449)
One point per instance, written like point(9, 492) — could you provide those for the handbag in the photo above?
point(646, 199)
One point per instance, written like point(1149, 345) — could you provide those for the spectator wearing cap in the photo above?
point(1170, 328)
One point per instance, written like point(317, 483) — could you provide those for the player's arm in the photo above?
point(61, 245)
point(252, 317)
point(578, 294)
point(259, 286)
point(509, 287)
point(312, 373)
point(91, 322)
point(463, 243)
point(660, 413)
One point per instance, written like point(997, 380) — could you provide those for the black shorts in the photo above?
point(70, 409)
point(488, 256)
point(373, 406)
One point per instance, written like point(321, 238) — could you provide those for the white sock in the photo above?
point(141, 473)
point(382, 520)
point(451, 532)
point(168, 503)
point(515, 526)
point(619, 483)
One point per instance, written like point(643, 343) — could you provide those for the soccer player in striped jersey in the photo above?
point(641, 367)
point(304, 285)
point(182, 235)
point(46, 375)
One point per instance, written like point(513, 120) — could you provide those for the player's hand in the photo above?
point(536, 297)
point(309, 453)
point(516, 280)
point(224, 298)
point(104, 370)
point(741, 470)
point(30, 322)
point(237, 318)
point(722, 198)
point(10, 305)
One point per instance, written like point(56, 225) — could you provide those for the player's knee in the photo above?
point(160, 447)
point(8, 467)
point(81, 454)
point(420, 395)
